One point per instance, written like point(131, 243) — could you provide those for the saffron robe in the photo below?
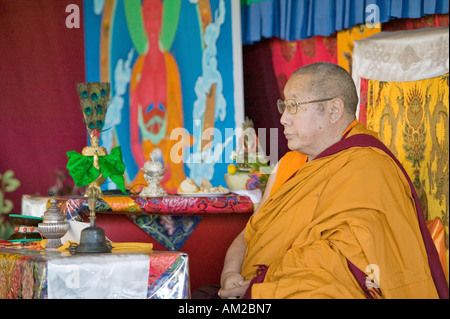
point(353, 206)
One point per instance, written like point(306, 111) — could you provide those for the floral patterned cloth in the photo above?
point(22, 277)
point(411, 118)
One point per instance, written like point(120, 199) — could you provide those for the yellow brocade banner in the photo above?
point(345, 42)
point(412, 120)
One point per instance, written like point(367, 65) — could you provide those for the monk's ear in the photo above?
point(336, 110)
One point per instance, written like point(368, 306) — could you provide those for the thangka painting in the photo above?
point(176, 81)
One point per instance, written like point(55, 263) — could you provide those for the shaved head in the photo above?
point(329, 80)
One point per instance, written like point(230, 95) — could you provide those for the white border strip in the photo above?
point(238, 74)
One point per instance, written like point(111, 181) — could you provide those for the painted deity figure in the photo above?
point(156, 104)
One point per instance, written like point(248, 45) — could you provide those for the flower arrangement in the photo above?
point(258, 174)
point(253, 182)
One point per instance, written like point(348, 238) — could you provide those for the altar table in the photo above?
point(209, 225)
point(34, 273)
point(218, 220)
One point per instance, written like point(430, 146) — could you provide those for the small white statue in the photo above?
point(153, 174)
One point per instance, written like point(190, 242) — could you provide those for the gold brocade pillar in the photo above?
point(412, 120)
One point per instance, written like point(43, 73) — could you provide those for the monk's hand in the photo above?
point(233, 286)
point(230, 280)
point(235, 292)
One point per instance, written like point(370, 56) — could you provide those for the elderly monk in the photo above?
point(338, 219)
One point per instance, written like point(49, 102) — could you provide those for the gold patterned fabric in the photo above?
point(412, 120)
point(345, 43)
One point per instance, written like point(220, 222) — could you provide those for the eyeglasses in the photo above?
point(293, 106)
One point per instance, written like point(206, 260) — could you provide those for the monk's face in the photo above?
point(306, 131)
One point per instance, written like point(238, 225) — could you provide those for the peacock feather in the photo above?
point(94, 97)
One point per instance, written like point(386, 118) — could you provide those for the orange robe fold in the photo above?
point(322, 217)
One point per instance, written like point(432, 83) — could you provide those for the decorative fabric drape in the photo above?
point(401, 56)
point(346, 40)
point(301, 19)
point(412, 120)
point(404, 75)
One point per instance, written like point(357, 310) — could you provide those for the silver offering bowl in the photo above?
point(54, 225)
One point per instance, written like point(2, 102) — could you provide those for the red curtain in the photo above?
point(287, 56)
point(40, 119)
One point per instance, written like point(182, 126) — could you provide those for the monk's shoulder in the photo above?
point(371, 159)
